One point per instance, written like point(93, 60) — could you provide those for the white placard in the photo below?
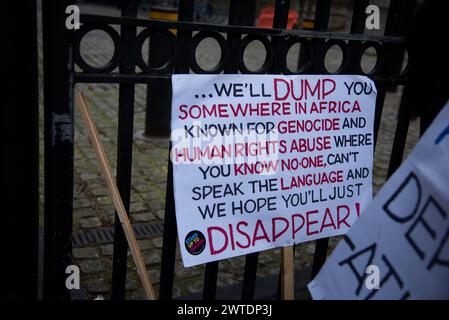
point(263, 161)
point(401, 241)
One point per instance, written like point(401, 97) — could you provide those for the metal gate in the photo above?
point(62, 53)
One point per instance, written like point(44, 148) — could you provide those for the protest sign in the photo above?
point(401, 241)
point(263, 161)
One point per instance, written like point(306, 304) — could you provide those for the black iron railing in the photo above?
point(62, 53)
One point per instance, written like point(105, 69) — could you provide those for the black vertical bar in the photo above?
point(400, 136)
point(398, 18)
point(358, 27)
point(210, 281)
point(279, 21)
point(158, 112)
point(169, 241)
point(169, 238)
point(185, 13)
point(322, 14)
point(405, 108)
point(234, 38)
point(380, 100)
point(319, 258)
point(321, 21)
point(58, 149)
point(359, 16)
point(240, 13)
point(124, 149)
point(250, 275)
point(19, 162)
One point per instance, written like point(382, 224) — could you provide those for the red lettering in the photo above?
point(294, 229)
point(243, 233)
point(327, 213)
point(311, 222)
point(259, 225)
point(273, 224)
point(341, 220)
point(214, 251)
point(276, 91)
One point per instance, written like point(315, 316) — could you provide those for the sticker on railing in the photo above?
point(264, 161)
point(404, 232)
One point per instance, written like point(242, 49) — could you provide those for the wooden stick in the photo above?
point(117, 199)
point(288, 274)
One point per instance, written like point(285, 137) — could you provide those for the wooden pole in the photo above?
point(288, 274)
point(116, 198)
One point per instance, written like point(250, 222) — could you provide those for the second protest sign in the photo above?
point(268, 161)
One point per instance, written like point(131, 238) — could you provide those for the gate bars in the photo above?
point(62, 52)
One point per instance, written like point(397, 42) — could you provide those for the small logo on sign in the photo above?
point(195, 242)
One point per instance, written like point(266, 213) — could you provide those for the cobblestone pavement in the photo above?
point(93, 206)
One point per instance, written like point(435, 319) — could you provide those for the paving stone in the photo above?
point(136, 198)
point(158, 242)
point(138, 294)
point(131, 284)
point(104, 201)
point(84, 212)
point(139, 180)
point(265, 258)
point(142, 187)
point(156, 205)
point(98, 286)
point(151, 195)
point(182, 272)
point(111, 218)
point(143, 217)
point(310, 249)
point(138, 206)
point(85, 253)
point(109, 210)
point(107, 249)
point(195, 287)
point(160, 214)
point(99, 192)
point(176, 291)
point(89, 176)
point(152, 257)
point(88, 223)
point(224, 265)
point(91, 266)
point(145, 244)
point(237, 263)
point(162, 186)
point(81, 203)
point(225, 279)
point(97, 184)
point(154, 275)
